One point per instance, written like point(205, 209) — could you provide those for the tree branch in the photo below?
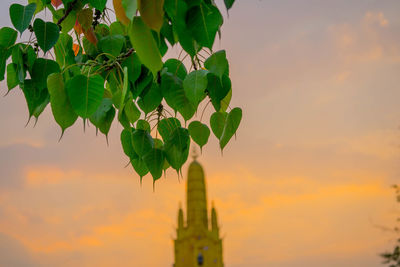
point(67, 11)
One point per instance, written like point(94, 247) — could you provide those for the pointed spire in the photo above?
point(214, 220)
point(180, 216)
point(196, 196)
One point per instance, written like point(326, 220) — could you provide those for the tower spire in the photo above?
point(196, 195)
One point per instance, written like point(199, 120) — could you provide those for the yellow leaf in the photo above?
point(152, 13)
point(120, 12)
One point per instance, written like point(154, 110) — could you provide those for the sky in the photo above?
point(306, 183)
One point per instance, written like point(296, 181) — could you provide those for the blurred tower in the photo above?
point(196, 244)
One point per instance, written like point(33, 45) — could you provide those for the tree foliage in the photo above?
point(85, 65)
point(392, 258)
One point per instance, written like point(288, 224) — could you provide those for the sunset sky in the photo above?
point(306, 183)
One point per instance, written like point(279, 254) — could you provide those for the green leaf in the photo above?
point(112, 44)
point(8, 37)
point(176, 67)
point(231, 125)
point(152, 13)
point(143, 125)
point(104, 116)
point(85, 94)
point(217, 123)
point(226, 101)
point(69, 22)
point(21, 16)
point(126, 142)
point(154, 160)
point(195, 85)
point(36, 99)
point(63, 113)
point(12, 78)
point(229, 3)
point(142, 142)
point(39, 5)
point(124, 89)
point(204, 21)
point(98, 4)
point(166, 127)
point(130, 7)
point(17, 57)
point(131, 111)
point(145, 46)
point(199, 133)
point(177, 148)
point(151, 100)
point(217, 63)
point(42, 68)
point(64, 50)
point(47, 34)
point(140, 167)
point(172, 90)
point(218, 89)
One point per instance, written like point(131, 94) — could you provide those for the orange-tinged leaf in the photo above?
point(85, 18)
point(89, 34)
point(78, 27)
point(120, 12)
point(56, 3)
point(152, 13)
point(76, 48)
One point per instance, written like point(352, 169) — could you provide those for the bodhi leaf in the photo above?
point(145, 46)
point(217, 123)
point(8, 37)
point(98, 4)
point(63, 113)
point(130, 7)
point(199, 133)
point(104, 116)
point(217, 63)
point(203, 21)
point(152, 13)
point(176, 67)
point(154, 160)
point(131, 111)
point(21, 16)
point(218, 89)
point(112, 44)
point(85, 18)
point(228, 3)
point(36, 99)
point(64, 50)
point(126, 142)
point(85, 94)
point(143, 125)
point(140, 167)
point(151, 99)
point(142, 142)
point(226, 101)
point(134, 67)
point(195, 85)
point(41, 69)
point(12, 78)
point(47, 34)
point(166, 126)
point(231, 125)
point(177, 148)
point(172, 90)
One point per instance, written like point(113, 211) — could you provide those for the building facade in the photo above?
point(197, 240)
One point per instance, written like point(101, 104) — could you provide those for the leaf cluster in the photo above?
point(87, 66)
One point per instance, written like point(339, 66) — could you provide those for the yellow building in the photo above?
point(196, 243)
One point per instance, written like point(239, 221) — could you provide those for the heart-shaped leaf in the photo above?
point(36, 99)
point(98, 4)
point(8, 37)
point(199, 133)
point(217, 63)
point(218, 88)
point(143, 125)
point(142, 142)
point(104, 116)
point(151, 99)
point(42, 68)
point(203, 21)
point(177, 148)
point(47, 34)
point(176, 67)
point(112, 44)
point(126, 142)
point(85, 94)
point(154, 160)
point(166, 127)
point(228, 3)
point(12, 77)
point(195, 85)
point(231, 125)
point(217, 123)
point(21, 16)
point(130, 7)
point(62, 110)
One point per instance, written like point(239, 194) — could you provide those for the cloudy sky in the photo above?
point(306, 183)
